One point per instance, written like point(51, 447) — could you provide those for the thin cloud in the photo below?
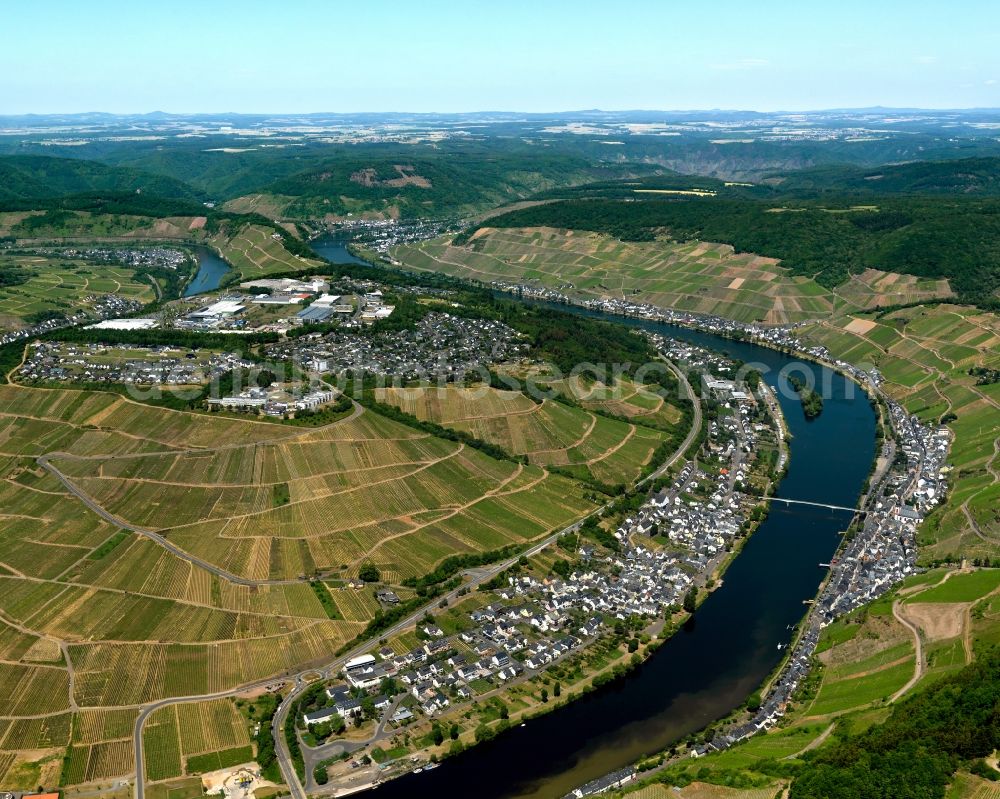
point(926, 59)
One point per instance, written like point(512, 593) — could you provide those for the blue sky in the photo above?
point(442, 55)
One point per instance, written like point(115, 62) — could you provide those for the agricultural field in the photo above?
point(925, 354)
point(39, 286)
point(695, 276)
point(622, 396)
point(195, 737)
point(549, 433)
point(970, 786)
point(92, 587)
point(365, 489)
point(101, 746)
point(874, 289)
point(869, 655)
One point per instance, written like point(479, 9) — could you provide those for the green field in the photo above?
point(161, 745)
point(962, 587)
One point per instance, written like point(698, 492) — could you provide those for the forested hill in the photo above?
point(313, 180)
point(25, 177)
point(958, 239)
point(420, 182)
point(976, 177)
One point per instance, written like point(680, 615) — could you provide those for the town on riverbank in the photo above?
point(566, 620)
point(879, 551)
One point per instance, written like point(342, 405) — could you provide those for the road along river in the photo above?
point(729, 647)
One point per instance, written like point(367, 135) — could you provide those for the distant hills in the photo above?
point(934, 218)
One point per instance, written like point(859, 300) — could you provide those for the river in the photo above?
point(211, 270)
point(333, 247)
point(730, 646)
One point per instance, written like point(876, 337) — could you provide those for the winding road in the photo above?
point(919, 665)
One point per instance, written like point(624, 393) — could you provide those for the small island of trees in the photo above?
point(812, 402)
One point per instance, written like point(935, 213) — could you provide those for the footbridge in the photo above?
point(817, 504)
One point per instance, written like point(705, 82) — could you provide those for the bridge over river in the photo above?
point(817, 504)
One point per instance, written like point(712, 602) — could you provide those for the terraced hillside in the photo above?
point(201, 591)
point(33, 286)
point(928, 356)
point(549, 433)
point(696, 276)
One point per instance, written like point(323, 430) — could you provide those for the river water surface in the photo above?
point(211, 270)
point(730, 646)
point(333, 247)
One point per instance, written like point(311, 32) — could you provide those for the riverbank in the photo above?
point(793, 671)
point(705, 676)
point(211, 273)
point(609, 652)
point(712, 665)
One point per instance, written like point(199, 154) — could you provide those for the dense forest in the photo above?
point(45, 177)
point(960, 177)
point(421, 182)
point(314, 180)
point(954, 238)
